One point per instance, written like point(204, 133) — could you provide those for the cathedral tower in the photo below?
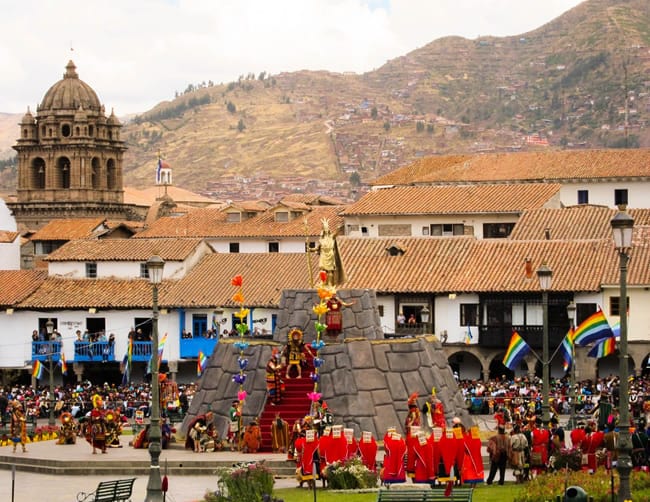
point(69, 158)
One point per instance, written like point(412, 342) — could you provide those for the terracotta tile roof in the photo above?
point(455, 199)
point(19, 284)
point(265, 276)
point(171, 249)
point(213, 223)
point(57, 293)
point(572, 223)
point(465, 264)
point(68, 229)
point(313, 199)
point(7, 237)
point(524, 166)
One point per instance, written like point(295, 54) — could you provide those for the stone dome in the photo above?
point(70, 93)
point(28, 118)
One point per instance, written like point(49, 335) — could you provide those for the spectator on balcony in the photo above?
point(412, 320)
point(131, 335)
point(35, 337)
point(79, 336)
point(401, 319)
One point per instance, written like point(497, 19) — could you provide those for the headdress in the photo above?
point(413, 399)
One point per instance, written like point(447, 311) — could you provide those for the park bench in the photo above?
point(424, 495)
point(109, 491)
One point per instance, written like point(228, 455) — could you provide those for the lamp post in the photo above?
point(571, 314)
point(544, 274)
point(622, 229)
point(155, 266)
point(424, 317)
point(49, 327)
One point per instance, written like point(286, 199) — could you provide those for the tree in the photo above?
point(373, 113)
point(231, 107)
point(430, 128)
point(240, 125)
point(387, 126)
point(355, 179)
point(419, 126)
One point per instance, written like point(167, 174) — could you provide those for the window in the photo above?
point(91, 270)
point(199, 324)
point(447, 229)
point(620, 196)
point(274, 247)
point(234, 217)
point(425, 230)
point(584, 310)
point(282, 216)
point(364, 231)
point(469, 314)
point(583, 196)
point(615, 305)
point(144, 271)
point(497, 230)
point(234, 247)
point(380, 309)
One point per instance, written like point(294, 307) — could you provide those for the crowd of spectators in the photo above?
point(76, 399)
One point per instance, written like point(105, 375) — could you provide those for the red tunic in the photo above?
point(368, 451)
point(395, 450)
point(424, 471)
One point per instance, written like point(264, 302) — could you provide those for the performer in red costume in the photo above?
point(338, 446)
point(307, 448)
point(423, 451)
point(395, 450)
point(412, 427)
point(472, 467)
point(351, 443)
point(96, 425)
point(539, 452)
point(368, 450)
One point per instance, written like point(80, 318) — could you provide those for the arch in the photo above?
point(37, 174)
point(466, 365)
point(77, 131)
point(62, 178)
point(609, 365)
point(498, 369)
point(111, 174)
point(66, 130)
point(95, 176)
point(91, 130)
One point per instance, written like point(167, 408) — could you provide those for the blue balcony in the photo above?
point(41, 351)
point(190, 347)
point(96, 351)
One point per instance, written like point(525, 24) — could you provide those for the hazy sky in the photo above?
point(136, 53)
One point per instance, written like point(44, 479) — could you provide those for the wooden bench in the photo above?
point(424, 495)
point(109, 491)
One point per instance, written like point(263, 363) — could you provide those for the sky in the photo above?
point(135, 54)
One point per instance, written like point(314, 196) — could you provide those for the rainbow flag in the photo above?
point(603, 348)
point(201, 363)
point(64, 365)
point(468, 336)
point(593, 329)
point(517, 350)
point(566, 348)
point(37, 370)
point(616, 329)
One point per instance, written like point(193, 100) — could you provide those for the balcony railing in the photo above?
point(93, 351)
point(499, 336)
point(407, 330)
point(41, 351)
point(190, 347)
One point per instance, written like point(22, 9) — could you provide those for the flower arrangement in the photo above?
point(350, 475)
point(241, 344)
point(243, 483)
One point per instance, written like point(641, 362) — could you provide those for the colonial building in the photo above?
point(70, 158)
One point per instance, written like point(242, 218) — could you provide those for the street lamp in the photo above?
point(49, 327)
point(544, 274)
point(155, 266)
point(571, 314)
point(622, 229)
point(424, 317)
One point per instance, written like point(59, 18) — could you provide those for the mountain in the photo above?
point(563, 85)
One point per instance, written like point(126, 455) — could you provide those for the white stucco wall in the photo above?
point(7, 221)
point(603, 193)
point(447, 317)
point(115, 269)
point(10, 255)
point(287, 245)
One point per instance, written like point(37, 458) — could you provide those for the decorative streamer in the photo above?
point(324, 293)
point(241, 344)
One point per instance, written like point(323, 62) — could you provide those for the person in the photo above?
point(279, 434)
point(412, 320)
point(234, 427)
point(274, 383)
point(200, 431)
point(294, 352)
point(296, 429)
point(18, 427)
point(4, 408)
point(96, 425)
point(69, 427)
point(252, 437)
point(368, 450)
point(640, 446)
point(393, 470)
point(401, 319)
point(498, 448)
point(113, 428)
point(519, 452)
point(307, 455)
